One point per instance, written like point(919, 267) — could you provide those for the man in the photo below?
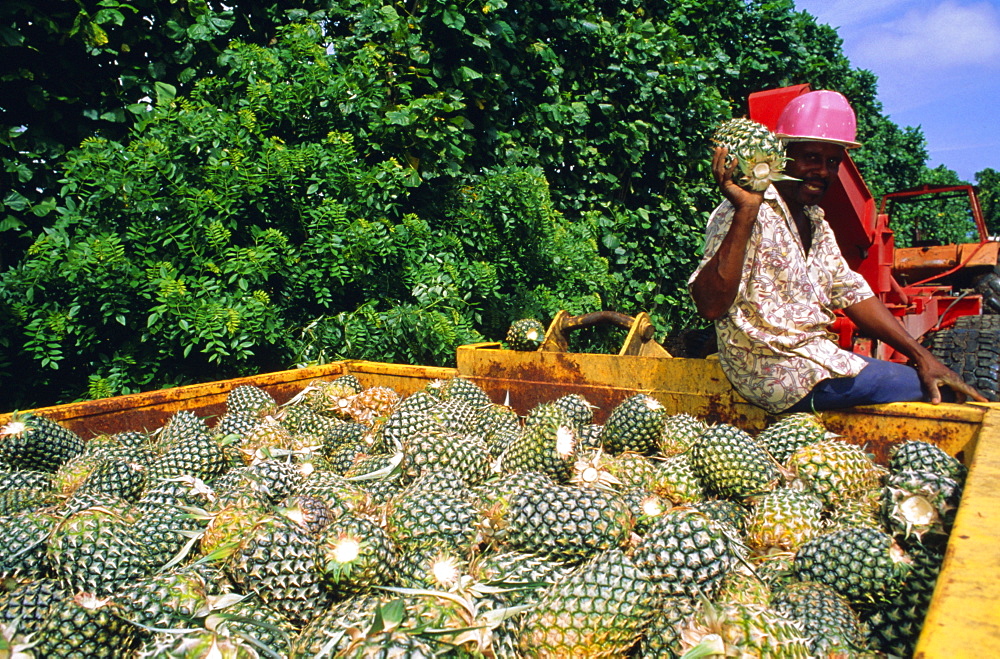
point(772, 276)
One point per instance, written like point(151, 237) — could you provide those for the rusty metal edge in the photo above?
point(963, 619)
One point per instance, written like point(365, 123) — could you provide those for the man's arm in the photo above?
point(875, 320)
point(716, 285)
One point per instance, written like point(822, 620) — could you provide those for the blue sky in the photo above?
point(938, 67)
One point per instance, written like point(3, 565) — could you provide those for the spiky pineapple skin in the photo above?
point(759, 153)
point(565, 521)
point(862, 564)
point(599, 610)
point(525, 334)
point(29, 441)
point(835, 470)
point(684, 552)
point(636, 425)
point(730, 464)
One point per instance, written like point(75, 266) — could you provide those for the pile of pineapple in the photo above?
point(353, 522)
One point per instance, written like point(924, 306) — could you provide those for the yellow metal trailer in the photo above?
point(964, 617)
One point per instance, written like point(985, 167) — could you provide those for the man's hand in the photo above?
point(739, 197)
point(933, 374)
point(872, 317)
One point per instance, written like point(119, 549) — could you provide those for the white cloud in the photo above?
point(942, 36)
point(850, 13)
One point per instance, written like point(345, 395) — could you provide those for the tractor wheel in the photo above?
point(988, 286)
point(972, 349)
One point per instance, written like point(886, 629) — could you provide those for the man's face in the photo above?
point(816, 164)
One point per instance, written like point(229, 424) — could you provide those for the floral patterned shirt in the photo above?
point(775, 344)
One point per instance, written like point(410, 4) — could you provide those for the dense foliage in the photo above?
point(388, 180)
point(988, 182)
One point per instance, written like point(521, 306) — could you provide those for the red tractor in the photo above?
point(948, 296)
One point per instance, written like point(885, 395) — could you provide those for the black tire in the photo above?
point(972, 349)
point(988, 286)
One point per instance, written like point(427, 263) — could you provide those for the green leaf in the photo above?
point(453, 18)
point(165, 93)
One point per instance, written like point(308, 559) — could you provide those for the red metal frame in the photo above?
point(868, 244)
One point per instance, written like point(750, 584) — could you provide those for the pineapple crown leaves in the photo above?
point(759, 153)
point(14, 645)
point(392, 469)
point(590, 472)
point(476, 630)
point(193, 538)
point(217, 620)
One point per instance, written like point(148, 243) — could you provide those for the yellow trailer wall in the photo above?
point(964, 617)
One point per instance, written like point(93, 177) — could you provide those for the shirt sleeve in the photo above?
point(718, 227)
point(848, 286)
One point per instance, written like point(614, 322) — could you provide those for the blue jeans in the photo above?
point(878, 382)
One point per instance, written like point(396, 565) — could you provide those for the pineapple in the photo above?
point(328, 398)
point(547, 444)
point(326, 633)
point(832, 627)
point(251, 620)
point(783, 519)
point(27, 604)
point(168, 599)
point(835, 470)
point(636, 425)
point(116, 476)
point(353, 554)
point(430, 567)
point(465, 455)
point(730, 464)
point(576, 406)
point(199, 644)
point(84, 625)
point(680, 432)
point(742, 630)
point(662, 637)
point(250, 399)
point(724, 511)
point(598, 610)
point(863, 564)
point(675, 480)
point(916, 455)
point(457, 414)
point(372, 404)
point(165, 530)
point(741, 585)
point(182, 425)
point(196, 454)
point(459, 388)
point(759, 153)
point(920, 504)
point(894, 626)
point(431, 516)
point(96, 551)
point(564, 521)
point(785, 436)
point(402, 424)
point(311, 512)
point(685, 553)
point(22, 552)
point(525, 334)
point(276, 561)
point(34, 442)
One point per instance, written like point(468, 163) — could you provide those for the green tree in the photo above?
point(988, 182)
point(397, 178)
point(241, 229)
point(75, 69)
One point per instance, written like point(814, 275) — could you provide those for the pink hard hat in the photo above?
point(819, 116)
